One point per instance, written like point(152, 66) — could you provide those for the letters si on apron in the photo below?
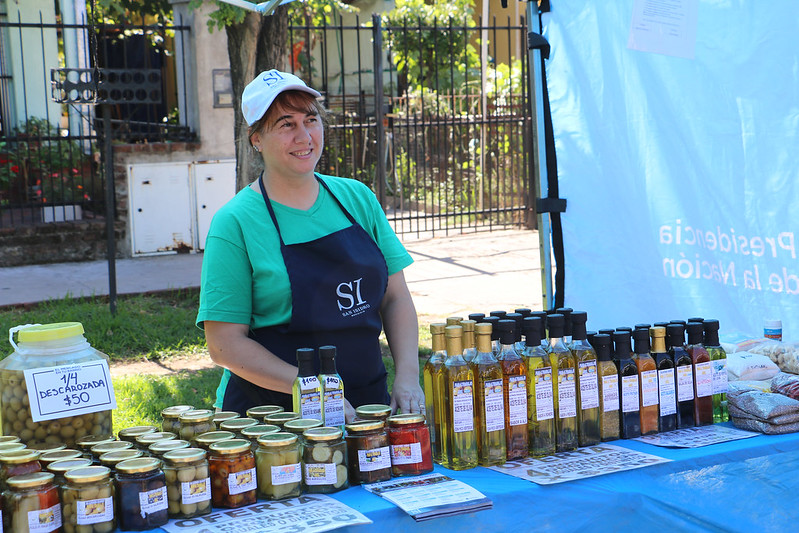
point(337, 285)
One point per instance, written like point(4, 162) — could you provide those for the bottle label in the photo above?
point(376, 459)
point(567, 393)
point(44, 520)
point(668, 396)
point(309, 383)
point(629, 394)
point(311, 405)
point(320, 474)
point(152, 501)
point(95, 511)
point(462, 406)
point(238, 482)
point(332, 382)
point(495, 405)
point(589, 385)
point(720, 385)
point(649, 388)
point(544, 399)
point(704, 379)
point(334, 407)
point(685, 383)
point(284, 474)
point(195, 491)
point(406, 454)
point(517, 400)
point(610, 393)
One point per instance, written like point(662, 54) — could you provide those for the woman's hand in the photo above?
point(407, 396)
point(349, 412)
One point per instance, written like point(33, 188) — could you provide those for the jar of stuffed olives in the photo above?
point(60, 468)
point(278, 464)
point(31, 499)
point(260, 412)
point(233, 478)
point(143, 441)
point(158, 449)
point(141, 494)
point(223, 416)
point(278, 419)
point(170, 417)
point(132, 433)
point(324, 460)
point(18, 462)
point(188, 482)
point(195, 422)
point(368, 453)
point(253, 432)
point(59, 455)
point(87, 500)
point(205, 440)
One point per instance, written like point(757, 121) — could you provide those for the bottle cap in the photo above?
point(50, 332)
point(555, 323)
point(305, 354)
point(507, 331)
point(623, 346)
point(322, 434)
point(493, 320)
point(477, 317)
point(602, 346)
point(578, 320)
point(524, 311)
point(696, 332)
point(454, 320)
point(532, 327)
point(327, 352)
point(498, 314)
point(567, 322)
point(675, 334)
point(641, 337)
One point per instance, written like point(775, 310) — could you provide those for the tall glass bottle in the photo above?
point(565, 386)
point(667, 386)
point(609, 427)
point(675, 340)
point(306, 392)
point(332, 388)
point(703, 374)
point(567, 324)
point(630, 395)
point(588, 413)
point(490, 403)
point(454, 320)
point(719, 359)
point(433, 396)
point(514, 387)
point(647, 383)
point(469, 342)
point(540, 395)
point(458, 432)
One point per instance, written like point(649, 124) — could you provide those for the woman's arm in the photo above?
point(402, 333)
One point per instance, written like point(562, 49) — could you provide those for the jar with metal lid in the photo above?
point(260, 412)
point(324, 459)
point(58, 455)
point(43, 447)
point(368, 453)
point(31, 499)
point(235, 425)
point(114, 446)
point(158, 449)
point(132, 433)
point(300, 425)
point(188, 482)
point(6, 439)
point(170, 417)
point(205, 440)
point(16, 463)
point(60, 468)
point(279, 469)
point(373, 411)
point(224, 416)
point(11, 447)
point(278, 419)
point(87, 500)
point(143, 441)
point(141, 494)
point(52, 346)
point(112, 459)
point(195, 422)
point(85, 444)
point(409, 440)
point(253, 432)
point(233, 477)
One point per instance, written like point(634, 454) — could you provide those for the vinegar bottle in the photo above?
point(565, 386)
point(306, 392)
point(332, 388)
point(675, 337)
point(587, 382)
point(540, 404)
point(719, 359)
point(609, 428)
point(628, 377)
point(703, 375)
point(667, 387)
point(647, 382)
point(458, 435)
point(433, 396)
point(469, 343)
point(490, 402)
point(514, 386)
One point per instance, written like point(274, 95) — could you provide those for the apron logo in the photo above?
point(350, 301)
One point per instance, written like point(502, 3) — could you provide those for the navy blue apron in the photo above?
point(337, 285)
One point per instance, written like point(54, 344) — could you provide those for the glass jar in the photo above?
point(141, 494)
point(195, 422)
point(42, 346)
point(188, 482)
point(409, 440)
point(235, 425)
point(253, 432)
point(60, 468)
point(373, 411)
point(85, 444)
point(260, 412)
point(158, 449)
point(59, 455)
point(112, 459)
point(143, 441)
point(278, 464)
point(43, 447)
point(6, 439)
point(368, 454)
point(224, 416)
point(132, 433)
point(18, 462)
point(87, 500)
point(278, 419)
point(114, 446)
point(300, 425)
point(205, 440)
point(11, 447)
point(324, 459)
point(233, 477)
point(31, 499)
point(170, 417)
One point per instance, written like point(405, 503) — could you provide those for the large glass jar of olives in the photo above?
point(188, 483)
point(87, 500)
point(233, 478)
point(16, 463)
point(31, 504)
point(53, 345)
point(324, 459)
point(195, 422)
point(278, 463)
point(368, 453)
point(141, 494)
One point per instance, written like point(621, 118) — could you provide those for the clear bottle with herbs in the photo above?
point(456, 381)
point(489, 406)
point(630, 389)
point(141, 494)
point(324, 461)
point(188, 481)
point(703, 374)
point(649, 408)
point(514, 390)
point(675, 340)
point(588, 413)
point(565, 386)
point(469, 339)
point(31, 499)
point(610, 420)
point(332, 388)
point(278, 465)
point(368, 452)
point(433, 396)
point(540, 396)
point(87, 500)
point(306, 392)
point(233, 477)
point(667, 385)
point(718, 357)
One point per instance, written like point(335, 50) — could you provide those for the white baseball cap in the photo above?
point(259, 94)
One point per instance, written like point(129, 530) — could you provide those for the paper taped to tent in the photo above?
point(676, 126)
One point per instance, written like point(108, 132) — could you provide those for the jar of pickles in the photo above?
point(188, 482)
point(60, 468)
point(59, 455)
point(195, 422)
point(143, 441)
point(300, 425)
point(170, 417)
point(409, 439)
point(278, 463)
point(31, 504)
point(205, 440)
point(253, 432)
point(158, 449)
point(233, 477)
point(260, 412)
point(368, 453)
point(132, 433)
point(373, 411)
point(278, 419)
point(141, 494)
point(17, 462)
point(224, 416)
point(235, 425)
point(87, 500)
point(324, 459)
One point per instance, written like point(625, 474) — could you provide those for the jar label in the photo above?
point(44, 520)
point(567, 393)
point(462, 406)
point(720, 385)
point(334, 407)
point(589, 385)
point(406, 454)
point(517, 400)
point(69, 390)
point(610, 393)
point(284, 474)
point(629, 394)
point(320, 474)
point(95, 511)
point(668, 396)
point(544, 398)
point(494, 405)
point(195, 491)
point(311, 405)
point(238, 482)
point(685, 383)
point(376, 459)
point(153, 501)
point(704, 379)
point(309, 383)
point(649, 388)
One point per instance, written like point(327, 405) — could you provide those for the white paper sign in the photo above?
point(664, 27)
point(696, 437)
point(69, 390)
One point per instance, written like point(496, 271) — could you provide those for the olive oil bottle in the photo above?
point(565, 386)
point(675, 340)
point(332, 388)
point(647, 383)
point(540, 404)
point(514, 387)
point(718, 358)
point(433, 396)
point(630, 391)
point(469, 342)
point(458, 431)
point(667, 387)
point(703, 374)
point(489, 407)
point(609, 427)
point(517, 340)
point(587, 382)
point(306, 392)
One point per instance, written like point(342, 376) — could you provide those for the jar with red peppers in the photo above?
point(368, 453)
point(233, 478)
point(18, 462)
point(141, 494)
point(31, 499)
point(409, 438)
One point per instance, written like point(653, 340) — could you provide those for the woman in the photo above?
point(302, 260)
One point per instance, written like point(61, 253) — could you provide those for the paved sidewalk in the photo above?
point(450, 275)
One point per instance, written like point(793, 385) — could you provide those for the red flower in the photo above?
point(15, 169)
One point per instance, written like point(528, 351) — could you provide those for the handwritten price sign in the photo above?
point(69, 390)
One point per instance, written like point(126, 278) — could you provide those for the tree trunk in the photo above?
point(256, 44)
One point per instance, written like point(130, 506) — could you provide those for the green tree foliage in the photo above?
point(131, 10)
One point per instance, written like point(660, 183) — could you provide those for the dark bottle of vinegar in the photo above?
point(675, 339)
point(630, 394)
point(703, 374)
point(667, 393)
